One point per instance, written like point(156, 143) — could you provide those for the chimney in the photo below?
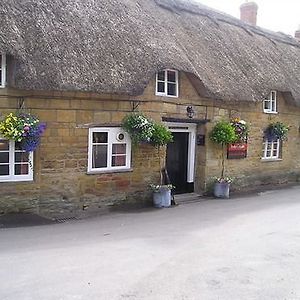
point(297, 34)
point(249, 12)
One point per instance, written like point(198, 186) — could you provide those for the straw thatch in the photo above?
point(116, 46)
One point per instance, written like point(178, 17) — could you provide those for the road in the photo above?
point(241, 248)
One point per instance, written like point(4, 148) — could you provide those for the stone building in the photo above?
point(84, 66)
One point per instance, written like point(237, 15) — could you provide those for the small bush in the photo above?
point(223, 133)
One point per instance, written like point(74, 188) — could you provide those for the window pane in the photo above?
point(171, 89)
point(119, 149)
point(267, 104)
point(99, 156)
point(18, 146)
point(273, 96)
point(273, 103)
point(21, 169)
point(161, 87)
point(161, 76)
point(4, 157)
point(171, 76)
point(4, 170)
point(118, 161)
point(4, 145)
point(21, 157)
point(100, 137)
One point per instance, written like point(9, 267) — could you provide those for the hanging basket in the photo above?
point(276, 131)
point(23, 128)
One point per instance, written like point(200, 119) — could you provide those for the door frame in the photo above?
point(190, 128)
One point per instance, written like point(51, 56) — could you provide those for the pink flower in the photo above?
point(26, 128)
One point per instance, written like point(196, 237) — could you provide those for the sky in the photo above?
point(275, 15)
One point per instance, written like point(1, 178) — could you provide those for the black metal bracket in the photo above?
point(21, 103)
point(135, 104)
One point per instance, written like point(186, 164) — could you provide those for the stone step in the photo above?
point(188, 198)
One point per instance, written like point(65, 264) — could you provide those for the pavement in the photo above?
point(242, 248)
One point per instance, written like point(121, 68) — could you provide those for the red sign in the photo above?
point(237, 150)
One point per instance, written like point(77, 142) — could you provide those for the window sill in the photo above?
point(16, 181)
point(271, 159)
point(109, 171)
point(164, 95)
point(271, 112)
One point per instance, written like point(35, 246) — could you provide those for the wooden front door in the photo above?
point(177, 161)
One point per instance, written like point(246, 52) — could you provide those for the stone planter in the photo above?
point(162, 197)
point(221, 190)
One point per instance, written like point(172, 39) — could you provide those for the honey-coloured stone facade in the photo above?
point(61, 185)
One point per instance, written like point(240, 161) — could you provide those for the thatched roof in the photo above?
point(116, 46)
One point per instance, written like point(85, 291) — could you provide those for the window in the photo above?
point(2, 70)
point(109, 149)
point(15, 163)
point(271, 149)
point(167, 83)
point(270, 104)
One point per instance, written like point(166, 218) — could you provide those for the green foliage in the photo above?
point(223, 133)
point(139, 127)
point(144, 130)
point(160, 135)
point(276, 131)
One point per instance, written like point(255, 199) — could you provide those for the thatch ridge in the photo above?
point(116, 46)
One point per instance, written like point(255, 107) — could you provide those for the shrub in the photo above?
point(223, 133)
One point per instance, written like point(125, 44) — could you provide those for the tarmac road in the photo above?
point(236, 249)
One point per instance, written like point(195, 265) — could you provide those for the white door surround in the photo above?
point(190, 128)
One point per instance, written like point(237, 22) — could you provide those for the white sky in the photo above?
point(276, 15)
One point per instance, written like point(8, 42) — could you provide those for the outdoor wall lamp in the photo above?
point(190, 111)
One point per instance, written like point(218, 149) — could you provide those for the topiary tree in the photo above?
point(223, 133)
point(161, 136)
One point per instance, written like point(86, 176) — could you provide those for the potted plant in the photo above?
point(241, 129)
point(161, 136)
point(161, 194)
point(23, 128)
point(144, 130)
point(139, 127)
point(223, 133)
point(276, 131)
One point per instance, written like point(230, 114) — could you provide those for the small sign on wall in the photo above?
point(200, 139)
point(237, 150)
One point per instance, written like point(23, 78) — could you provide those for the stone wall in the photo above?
point(252, 172)
point(61, 184)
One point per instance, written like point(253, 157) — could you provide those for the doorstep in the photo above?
point(188, 198)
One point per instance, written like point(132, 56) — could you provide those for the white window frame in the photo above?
point(112, 133)
point(3, 70)
point(272, 103)
point(272, 144)
point(12, 176)
point(166, 84)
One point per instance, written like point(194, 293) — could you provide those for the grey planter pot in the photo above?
point(221, 190)
point(162, 198)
